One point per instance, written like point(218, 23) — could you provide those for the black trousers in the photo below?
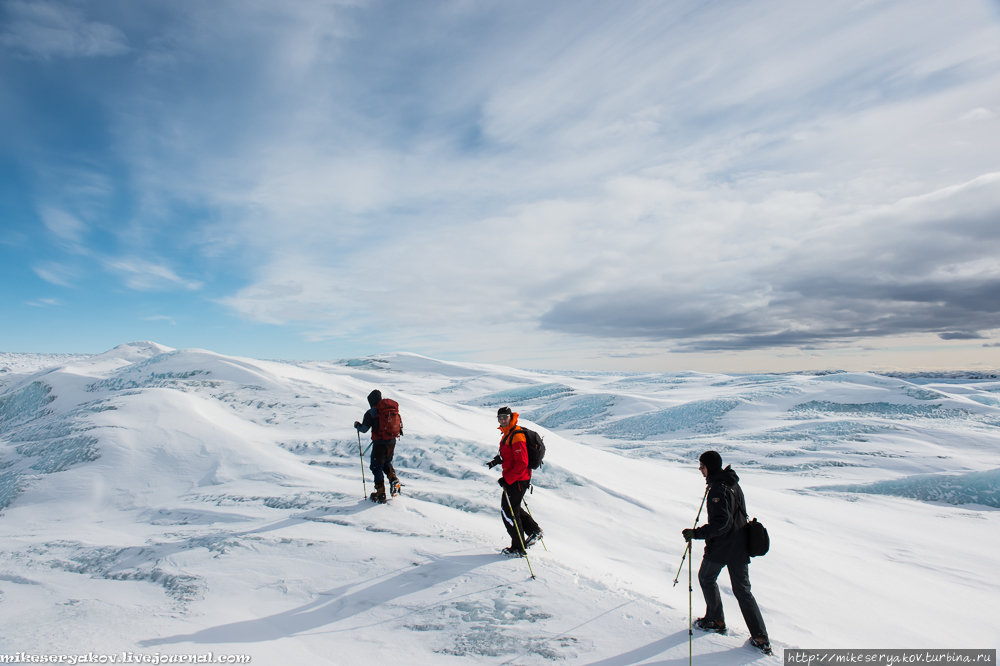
point(518, 522)
point(382, 461)
point(739, 576)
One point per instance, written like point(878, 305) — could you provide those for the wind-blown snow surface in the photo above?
point(183, 501)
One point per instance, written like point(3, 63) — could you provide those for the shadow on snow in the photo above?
point(333, 606)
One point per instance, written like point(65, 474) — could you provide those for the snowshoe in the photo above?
point(532, 539)
point(761, 644)
point(394, 486)
point(717, 626)
point(512, 552)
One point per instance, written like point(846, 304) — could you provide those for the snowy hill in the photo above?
point(176, 502)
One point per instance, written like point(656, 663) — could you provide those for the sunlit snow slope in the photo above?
point(176, 502)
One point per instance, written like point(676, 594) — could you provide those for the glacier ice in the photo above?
point(972, 488)
point(699, 415)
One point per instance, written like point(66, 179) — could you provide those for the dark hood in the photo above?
point(374, 397)
point(726, 476)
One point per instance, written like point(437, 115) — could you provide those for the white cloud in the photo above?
point(977, 115)
point(56, 273)
point(65, 226)
point(475, 173)
point(161, 318)
point(46, 30)
point(44, 302)
point(143, 275)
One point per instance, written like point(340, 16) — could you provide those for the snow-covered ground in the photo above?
point(162, 501)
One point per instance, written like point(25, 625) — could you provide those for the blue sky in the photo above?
point(642, 185)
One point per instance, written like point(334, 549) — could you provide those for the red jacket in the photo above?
point(514, 453)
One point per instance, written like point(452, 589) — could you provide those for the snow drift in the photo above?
point(179, 501)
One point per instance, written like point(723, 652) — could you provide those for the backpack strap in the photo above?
point(737, 504)
point(510, 436)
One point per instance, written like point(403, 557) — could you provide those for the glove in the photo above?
point(496, 461)
point(688, 534)
point(357, 425)
point(503, 484)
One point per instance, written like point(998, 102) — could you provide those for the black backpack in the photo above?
point(758, 542)
point(536, 447)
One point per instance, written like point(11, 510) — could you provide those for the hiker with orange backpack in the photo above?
point(516, 480)
point(386, 425)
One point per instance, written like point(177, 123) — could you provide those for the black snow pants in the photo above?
point(739, 576)
point(382, 461)
point(518, 522)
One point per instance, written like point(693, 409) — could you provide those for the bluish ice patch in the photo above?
point(522, 394)
point(553, 477)
point(128, 564)
point(759, 391)
point(370, 363)
point(178, 380)
point(653, 380)
point(878, 409)
point(923, 394)
point(39, 442)
point(11, 485)
point(760, 379)
point(818, 432)
point(786, 453)
point(301, 500)
point(455, 385)
point(987, 400)
point(579, 412)
point(24, 404)
point(497, 627)
point(699, 416)
point(803, 468)
point(944, 377)
point(56, 455)
point(972, 488)
point(460, 502)
point(444, 457)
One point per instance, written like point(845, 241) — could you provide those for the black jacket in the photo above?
point(725, 533)
point(370, 420)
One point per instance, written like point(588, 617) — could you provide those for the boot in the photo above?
point(762, 644)
point(394, 483)
point(379, 494)
point(718, 626)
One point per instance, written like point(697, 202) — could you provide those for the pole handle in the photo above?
point(364, 487)
point(688, 549)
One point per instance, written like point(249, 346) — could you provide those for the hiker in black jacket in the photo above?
point(383, 447)
point(726, 546)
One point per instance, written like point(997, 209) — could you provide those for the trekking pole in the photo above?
point(687, 550)
point(517, 528)
point(532, 517)
point(364, 488)
point(690, 609)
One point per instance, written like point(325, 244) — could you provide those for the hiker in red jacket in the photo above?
point(385, 429)
point(516, 480)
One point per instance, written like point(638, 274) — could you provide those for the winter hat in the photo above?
point(374, 397)
point(504, 410)
point(711, 460)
